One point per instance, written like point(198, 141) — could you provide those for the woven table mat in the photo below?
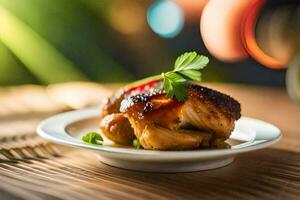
point(33, 168)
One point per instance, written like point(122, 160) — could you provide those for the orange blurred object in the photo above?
point(249, 40)
point(192, 8)
point(220, 28)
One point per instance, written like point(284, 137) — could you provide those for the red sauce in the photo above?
point(143, 87)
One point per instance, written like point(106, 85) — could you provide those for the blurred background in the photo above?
point(43, 42)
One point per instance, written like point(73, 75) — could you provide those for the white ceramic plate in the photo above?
point(67, 128)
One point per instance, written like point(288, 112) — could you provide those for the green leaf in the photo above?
point(136, 144)
point(190, 61)
point(192, 74)
point(186, 68)
point(175, 77)
point(92, 138)
point(181, 90)
point(175, 85)
point(168, 87)
point(185, 58)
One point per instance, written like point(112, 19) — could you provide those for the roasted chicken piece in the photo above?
point(157, 137)
point(113, 123)
point(209, 110)
point(205, 119)
point(117, 128)
point(206, 111)
point(112, 104)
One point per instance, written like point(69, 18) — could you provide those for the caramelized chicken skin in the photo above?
point(210, 110)
point(157, 137)
point(112, 104)
point(117, 128)
point(114, 125)
point(205, 110)
point(206, 118)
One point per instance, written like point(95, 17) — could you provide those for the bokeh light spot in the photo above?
point(165, 18)
point(192, 9)
point(126, 16)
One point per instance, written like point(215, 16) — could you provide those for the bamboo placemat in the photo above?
point(32, 168)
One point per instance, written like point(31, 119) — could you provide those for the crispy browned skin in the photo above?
point(112, 104)
point(210, 110)
point(157, 137)
point(205, 111)
point(117, 128)
point(206, 118)
point(158, 129)
point(114, 124)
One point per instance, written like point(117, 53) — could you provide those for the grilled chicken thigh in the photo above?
point(117, 128)
point(112, 104)
point(157, 137)
point(113, 123)
point(209, 110)
point(205, 119)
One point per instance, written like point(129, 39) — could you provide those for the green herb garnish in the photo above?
point(92, 138)
point(136, 144)
point(186, 68)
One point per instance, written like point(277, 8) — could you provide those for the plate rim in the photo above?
point(137, 154)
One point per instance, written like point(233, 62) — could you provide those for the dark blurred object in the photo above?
point(268, 31)
point(278, 35)
point(293, 78)
point(278, 30)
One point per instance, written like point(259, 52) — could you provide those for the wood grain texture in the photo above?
point(32, 168)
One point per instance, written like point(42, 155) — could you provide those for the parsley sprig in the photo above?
point(136, 144)
point(92, 138)
point(186, 68)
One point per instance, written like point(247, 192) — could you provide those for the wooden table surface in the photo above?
point(32, 168)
